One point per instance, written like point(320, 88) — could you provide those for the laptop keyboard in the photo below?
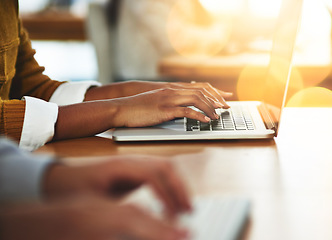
point(235, 118)
point(216, 219)
point(212, 218)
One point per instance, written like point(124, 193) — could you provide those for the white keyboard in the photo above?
point(216, 218)
point(213, 218)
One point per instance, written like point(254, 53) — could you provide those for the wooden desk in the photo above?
point(54, 26)
point(288, 179)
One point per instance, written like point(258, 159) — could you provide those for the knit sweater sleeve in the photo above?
point(29, 79)
point(11, 118)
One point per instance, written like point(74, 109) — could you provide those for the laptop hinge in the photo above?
point(267, 118)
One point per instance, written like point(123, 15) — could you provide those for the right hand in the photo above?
point(141, 110)
point(86, 219)
point(161, 105)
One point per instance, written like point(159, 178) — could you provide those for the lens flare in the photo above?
point(311, 97)
point(313, 75)
point(254, 83)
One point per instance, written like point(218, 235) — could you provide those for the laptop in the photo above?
point(212, 218)
point(245, 119)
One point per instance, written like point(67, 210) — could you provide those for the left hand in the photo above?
point(85, 218)
point(130, 88)
point(118, 177)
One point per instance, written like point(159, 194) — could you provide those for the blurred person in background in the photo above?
point(154, 29)
point(203, 28)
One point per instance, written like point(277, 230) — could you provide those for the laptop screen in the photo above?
point(280, 66)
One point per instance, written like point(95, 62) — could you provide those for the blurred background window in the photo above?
point(67, 59)
point(146, 32)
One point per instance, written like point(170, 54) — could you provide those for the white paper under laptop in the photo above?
point(245, 119)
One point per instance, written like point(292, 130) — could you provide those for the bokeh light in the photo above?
point(250, 85)
point(313, 75)
point(311, 97)
point(254, 84)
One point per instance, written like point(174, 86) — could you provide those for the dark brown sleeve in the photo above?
point(29, 79)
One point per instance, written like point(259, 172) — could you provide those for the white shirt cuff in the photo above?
point(71, 92)
point(39, 121)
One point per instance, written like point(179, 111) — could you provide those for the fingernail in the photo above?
point(219, 104)
point(216, 115)
point(207, 118)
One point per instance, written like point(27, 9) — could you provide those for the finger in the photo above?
point(205, 91)
point(164, 192)
point(181, 112)
point(197, 101)
point(150, 173)
point(219, 94)
point(162, 182)
point(122, 176)
point(208, 98)
point(225, 94)
point(216, 104)
point(191, 98)
point(215, 92)
point(174, 192)
point(176, 185)
point(121, 187)
point(172, 195)
point(142, 226)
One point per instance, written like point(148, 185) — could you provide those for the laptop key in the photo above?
point(195, 128)
point(241, 127)
point(230, 120)
point(216, 125)
point(192, 125)
point(205, 126)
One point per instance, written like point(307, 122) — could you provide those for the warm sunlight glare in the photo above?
point(314, 39)
point(265, 8)
point(313, 75)
point(328, 4)
point(258, 8)
point(311, 97)
point(253, 83)
point(222, 6)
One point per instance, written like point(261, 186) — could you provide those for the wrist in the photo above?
point(118, 112)
point(110, 91)
point(90, 94)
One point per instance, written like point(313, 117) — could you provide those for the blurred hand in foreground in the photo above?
point(118, 177)
point(84, 218)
